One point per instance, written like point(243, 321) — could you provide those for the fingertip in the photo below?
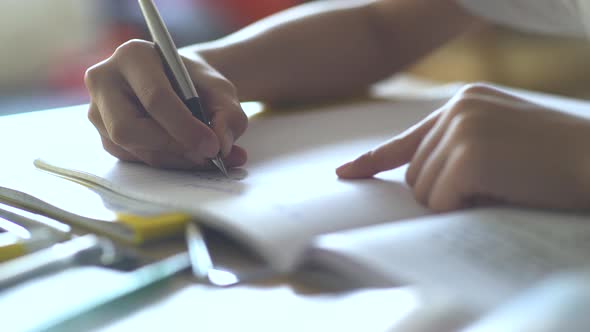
point(343, 171)
point(358, 168)
point(237, 157)
point(227, 142)
point(228, 127)
point(209, 147)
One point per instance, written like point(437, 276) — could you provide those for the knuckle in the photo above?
point(463, 104)
point(114, 150)
point(241, 121)
point(120, 134)
point(220, 83)
point(470, 97)
point(230, 87)
point(377, 161)
point(372, 161)
point(468, 109)
point(230, 113)
point(94, 115)
point(466, 123)
point(95, 75)
point(466, 119)
point(477, 88)
point(463, 152)
point(133, 49)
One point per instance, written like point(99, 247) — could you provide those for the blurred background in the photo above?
point(47, 46)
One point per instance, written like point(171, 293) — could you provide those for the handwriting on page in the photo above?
point(218, 182)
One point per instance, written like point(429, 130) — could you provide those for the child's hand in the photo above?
point(487, 145)
point(141, 118)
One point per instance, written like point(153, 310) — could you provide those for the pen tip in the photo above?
point(219, 163)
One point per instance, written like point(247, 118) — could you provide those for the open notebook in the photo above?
point(288, 193)
point(487, 255)
point(289, 206)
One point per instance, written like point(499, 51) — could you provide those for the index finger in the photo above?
point(143, 69)
point(392, 154)
point(220, 98)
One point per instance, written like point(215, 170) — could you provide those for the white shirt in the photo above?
point(557, 17)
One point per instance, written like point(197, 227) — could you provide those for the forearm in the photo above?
point(332, 48)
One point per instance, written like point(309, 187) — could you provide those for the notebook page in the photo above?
point(559, 303)
point(488, 255)
point(288, 191)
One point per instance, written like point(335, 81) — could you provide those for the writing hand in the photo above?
point(487, 144)
point(140, 117)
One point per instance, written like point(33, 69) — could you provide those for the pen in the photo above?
point(83, 250)
point(178, 74)
point(30, 220)
point(16, 241)
point(22, 232)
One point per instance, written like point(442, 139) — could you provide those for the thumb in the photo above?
point(391, 154)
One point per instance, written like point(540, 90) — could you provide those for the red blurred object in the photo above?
point(243, 12)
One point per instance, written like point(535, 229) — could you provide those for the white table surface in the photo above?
point(177, 304)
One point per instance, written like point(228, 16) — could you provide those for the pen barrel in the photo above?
point(81, 250)
point(194, 105)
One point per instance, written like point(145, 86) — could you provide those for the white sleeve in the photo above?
point(556, 17)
